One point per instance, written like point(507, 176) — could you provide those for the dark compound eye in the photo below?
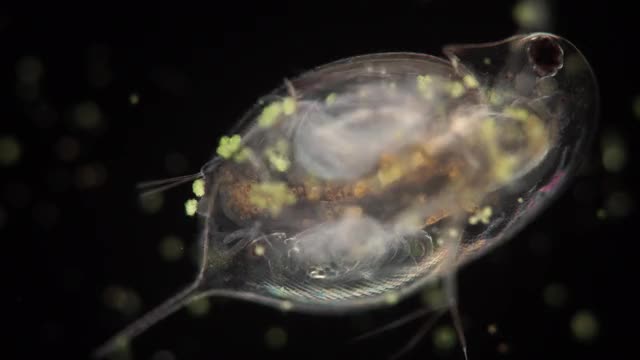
point(546, 56)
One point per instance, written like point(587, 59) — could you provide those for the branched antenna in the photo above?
point(157, 186)
point(393, 325)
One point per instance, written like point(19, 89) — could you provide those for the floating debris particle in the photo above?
point(618, 204)
point(434, 297)
point(555, 295)
point(532, 15)
point(29, 70)
point(152, 203)
point(134, 99)
point(122, 299)
point(199, 307)
point(275, 338)
point(90, 176)
point(87, 115)
point(584, 326)
point(171, 248)
point(635, 107)
point(444, 338)
point(614, 155)
point(163, 355)
point(10, 151)
point(391, 297)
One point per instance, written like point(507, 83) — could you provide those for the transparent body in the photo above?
point(361, 181)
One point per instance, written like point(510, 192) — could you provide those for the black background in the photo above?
point(196, 70)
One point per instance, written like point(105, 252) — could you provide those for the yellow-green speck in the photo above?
point(531, 14)
point(286, 305)
point(494, 97)
point(198, 187)
point(516, 113)
point(470, 81)
point(618, 204)
point(242, 155)
point(191, 207)
point(134, 99)
point(288, 105)
point(199, 307)
point(456, 89)
point(434, 297)
point(171, 248)
point(423, 82)
point(555, 295)
point(444, 338)
point(275, 338)
point(10, 151)
point(277, 155)
point(614, 154)
point(483, 215)
point(584, 326)
point(122, 299)
point(87, 115)
point(270, 115)
point(228, 146)
point(331, 98)
point(636, 107)
point(29, 70)
point(391, 297)
point(271, 196)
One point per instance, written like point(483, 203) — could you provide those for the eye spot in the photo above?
point(546, 56)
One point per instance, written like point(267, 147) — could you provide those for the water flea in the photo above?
point(367, 180)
